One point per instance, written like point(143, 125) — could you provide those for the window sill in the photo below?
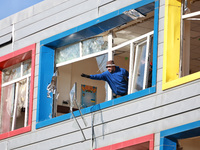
point(15, 132)
point(181, 81)
point(97, 107)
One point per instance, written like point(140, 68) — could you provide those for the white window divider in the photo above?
point(146, 63)
point(131, 60)
point(15, 107)
point(110, 57)
point(191, 15)
point(16, 80)
point(26, 102)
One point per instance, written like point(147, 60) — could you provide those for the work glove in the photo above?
point(85, 75)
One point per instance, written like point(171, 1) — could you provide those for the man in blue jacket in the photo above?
point(116, 77)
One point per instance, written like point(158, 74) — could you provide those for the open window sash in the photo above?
point(139, 65)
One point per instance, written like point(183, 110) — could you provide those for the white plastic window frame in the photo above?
point(188, 16)
point(22, 77)
point(134, 48)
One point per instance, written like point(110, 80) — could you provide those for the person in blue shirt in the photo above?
point(116, 77)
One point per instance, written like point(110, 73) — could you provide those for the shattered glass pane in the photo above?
point(68, 52)
point(93, 45)
point(27, 67)
point(11, 73)
point(101, 62)
point(6, 112)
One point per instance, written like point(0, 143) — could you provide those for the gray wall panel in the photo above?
point(5, 31)
point(47, 4)
point(159, 75)
point(160, 62)
point(162, 2)
point(134, 115)
point(146, 129)
point(115, 5)
point(56, 18)
point(161, 24)
point(104, 2)
point(161, 36)
point(160, 49)
point(5, 50)
point(4, 145)
point(48, 32)
point(162, 11)
point(45, 13)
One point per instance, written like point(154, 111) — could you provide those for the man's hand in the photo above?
point(85, 75)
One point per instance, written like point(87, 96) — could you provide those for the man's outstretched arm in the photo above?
point(85, 75)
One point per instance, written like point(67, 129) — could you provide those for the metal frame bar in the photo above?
point(15, 107)
point(26, 103)
point(74, 99)
point(131, 67)
point(146, 63)
point(135, 68)
point(191, 15)
point(16, 80)
point(110, 57)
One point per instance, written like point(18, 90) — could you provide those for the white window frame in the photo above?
point(134, 44)
point(185, 54)
point(22, 77)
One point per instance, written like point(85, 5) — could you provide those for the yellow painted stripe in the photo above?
point(181, 81)
point(171, 40)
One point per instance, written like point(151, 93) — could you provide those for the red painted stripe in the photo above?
point(15, 132)
point(147, 138)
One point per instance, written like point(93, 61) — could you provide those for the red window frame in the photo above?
point(140, 140)
point(12, 59)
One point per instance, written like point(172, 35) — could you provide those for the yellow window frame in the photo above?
point(171, 54)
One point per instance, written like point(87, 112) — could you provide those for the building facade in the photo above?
point(47, 104)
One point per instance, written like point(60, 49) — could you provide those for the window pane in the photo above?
point(67, 53)
point(13, 116)
point(21, 101)
point(27, 67)
point(141, 67)
point(6, 113)
point(11, 73)
point(93, 45)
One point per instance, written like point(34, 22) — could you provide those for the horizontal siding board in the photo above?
point(104, 2)
point(56, 19)
point(115, 137)
point(5, 31)
point(115, 5)
point(134, 114)
point(47, 12)
point(46, 5)
point(38, 36)
point(159, 75)
point(4, 145)
point(5, 50)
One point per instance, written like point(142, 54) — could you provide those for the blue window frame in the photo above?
point(169, 138)
point(89, 29)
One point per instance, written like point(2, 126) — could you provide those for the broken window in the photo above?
point(127, 37)
point(190, 56)
point(127, 44)
point(15, 96)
